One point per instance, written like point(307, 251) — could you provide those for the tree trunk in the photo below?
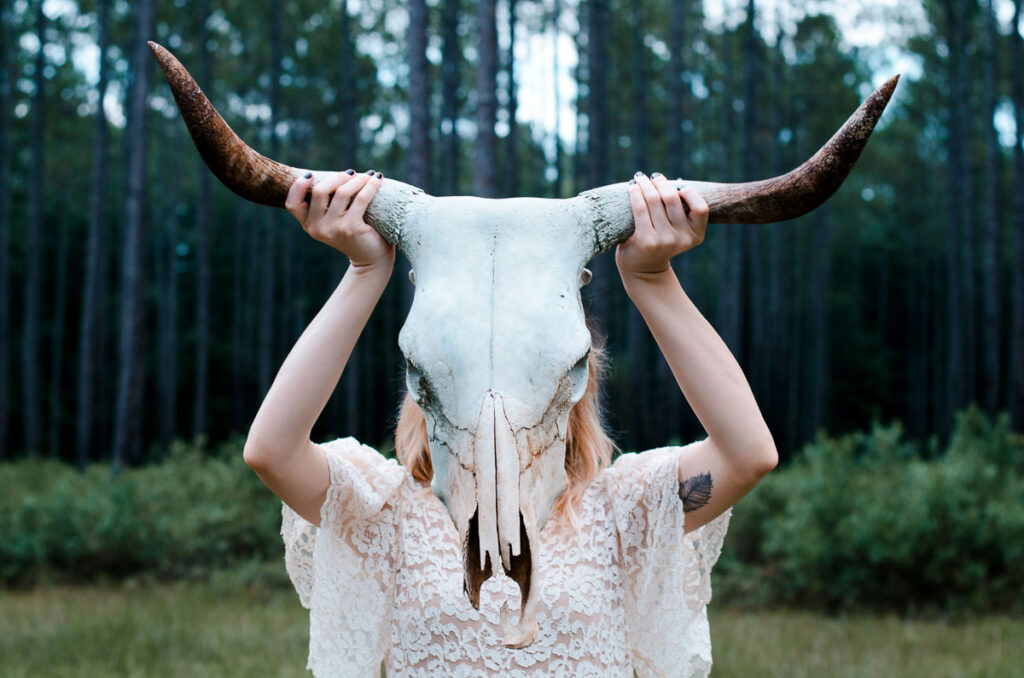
point(1016, 381)
point(34, 276)
point(129, 380)
point(597, 142)
point(6, 387)
point(269, 241)
point(796, 273)
point(756, 356)
point(727, 236)
point(511, 187)
point(579, 167)
point(202, 358)
point(419, 157)
point(961, 356)
point(451, 57)
point(677, 96)
point(597, 98)
point(167, 313)
point(637, 334)
point(419, 97)
point(57, 339)
point(821, 275)
point(351, 377)
point(558, 184)
point(485, 181)
point(676, 164)
point(776, 319)
point(87, 331)
point(239, 301)
point(990, 260)
point(348, 109)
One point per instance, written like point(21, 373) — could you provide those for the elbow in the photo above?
point(265, 455)
point(252, 456)
point(255, 455)
point(767, 458)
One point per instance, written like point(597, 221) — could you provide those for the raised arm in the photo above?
point(278, 447)
point(739, 449)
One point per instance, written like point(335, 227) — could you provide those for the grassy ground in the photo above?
point(171, 630)
point(799, 644)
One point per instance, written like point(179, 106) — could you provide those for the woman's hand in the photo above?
point(669, 220)
point(338, 220)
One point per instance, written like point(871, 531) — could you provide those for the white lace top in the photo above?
point(382, 579)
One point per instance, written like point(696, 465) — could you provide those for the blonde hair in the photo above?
point(588, 448)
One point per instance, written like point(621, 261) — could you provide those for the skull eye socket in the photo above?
point(579, 375)
point(413, 381)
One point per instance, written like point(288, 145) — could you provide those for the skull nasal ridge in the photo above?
point(490, 357)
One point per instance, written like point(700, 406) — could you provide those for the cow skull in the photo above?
point(496, 342)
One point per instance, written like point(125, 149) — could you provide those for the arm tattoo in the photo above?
point(695, 491)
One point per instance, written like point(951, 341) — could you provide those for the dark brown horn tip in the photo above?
point(880, 97)
point(606, 211)
point(808, 186)
point(246, 172)
point(160, 52)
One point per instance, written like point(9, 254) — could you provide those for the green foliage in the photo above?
point(865, 520)
point(184, 517)
point(871, 520)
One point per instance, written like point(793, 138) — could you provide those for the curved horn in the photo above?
point(607, 211)
point(254, 176)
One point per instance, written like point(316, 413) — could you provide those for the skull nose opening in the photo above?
point(519, 570)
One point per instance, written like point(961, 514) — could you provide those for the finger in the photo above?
point(641, 215)
point(322, 192)
point(295, 202)
point(659, 219)
point(670, 199)
point(679, 187)
point(364, 196)
point(343, 196)
point(699, 211)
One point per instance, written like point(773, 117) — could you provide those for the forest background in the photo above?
point(143, 302)
point(144, 308)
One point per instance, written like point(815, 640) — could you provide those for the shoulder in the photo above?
point(634, 475)
point(363, 480)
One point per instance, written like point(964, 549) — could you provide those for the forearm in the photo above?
point(311, 371)
point(706, 371)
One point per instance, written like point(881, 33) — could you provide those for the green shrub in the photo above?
point(869, 520)
point(185, 516)
point(866, 520)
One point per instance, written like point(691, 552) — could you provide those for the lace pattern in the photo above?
point(667, 572)
point(382, 578)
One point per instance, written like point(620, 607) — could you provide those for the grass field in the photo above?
point(171, 630)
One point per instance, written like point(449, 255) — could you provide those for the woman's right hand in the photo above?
point(338, 220)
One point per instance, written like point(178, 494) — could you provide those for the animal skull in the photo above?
point(496, 342)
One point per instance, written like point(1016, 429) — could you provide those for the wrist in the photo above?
point(377, 270)
point(636, 280)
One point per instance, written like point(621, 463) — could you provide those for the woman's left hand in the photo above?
point(668, 219)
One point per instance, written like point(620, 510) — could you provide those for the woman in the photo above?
point(625, 557)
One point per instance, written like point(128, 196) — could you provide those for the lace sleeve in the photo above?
point(666, 573)
point(362, 480)
point(344, 570)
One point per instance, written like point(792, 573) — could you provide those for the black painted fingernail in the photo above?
point(679, 188)
point(307, 175)
point(656, 174)
point(370, 172)
point(350, 172)
point(638, 174)
point(379, 175)
point(632, 181)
